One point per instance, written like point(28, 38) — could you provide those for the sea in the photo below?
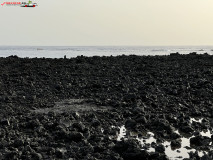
point(74, 51)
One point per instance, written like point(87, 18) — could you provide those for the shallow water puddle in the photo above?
point(147, 140)
point(178, 153)
point(183, 151)
point(122, 133)
point(199, 120)
point(207, 133)
point(102, 130)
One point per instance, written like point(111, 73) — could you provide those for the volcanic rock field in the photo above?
point(107, 108)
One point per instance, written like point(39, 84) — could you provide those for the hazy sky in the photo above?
point(108, 22)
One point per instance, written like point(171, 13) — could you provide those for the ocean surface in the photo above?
point(74, 51)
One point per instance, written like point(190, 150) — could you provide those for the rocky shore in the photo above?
point(75, 109)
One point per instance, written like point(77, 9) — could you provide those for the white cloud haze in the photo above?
point(108, 22)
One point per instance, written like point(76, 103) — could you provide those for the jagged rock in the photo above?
point(75, 136)
point(200, 140)
point(5, 122)
point(130, 124)
point(160, 148)
point(157, 94)
point(18, 143)
point(176, 144)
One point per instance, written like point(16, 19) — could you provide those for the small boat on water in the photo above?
point(201, 50)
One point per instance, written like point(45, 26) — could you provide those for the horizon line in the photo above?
point(106, 45)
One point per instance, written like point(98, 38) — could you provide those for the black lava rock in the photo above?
point(75, 136)
point(157, 94)
point(176, 144)
point(130, 124)
point(200, 140)
point(5, 122)
point(160, 148)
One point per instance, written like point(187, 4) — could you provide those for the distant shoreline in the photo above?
point(89, 51)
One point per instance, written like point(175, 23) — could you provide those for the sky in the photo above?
point(108, 23)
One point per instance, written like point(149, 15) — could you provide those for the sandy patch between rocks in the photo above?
point(76, 105)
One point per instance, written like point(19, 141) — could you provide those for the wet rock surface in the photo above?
point(74, 108)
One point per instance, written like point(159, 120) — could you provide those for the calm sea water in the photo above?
point(73, 51)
